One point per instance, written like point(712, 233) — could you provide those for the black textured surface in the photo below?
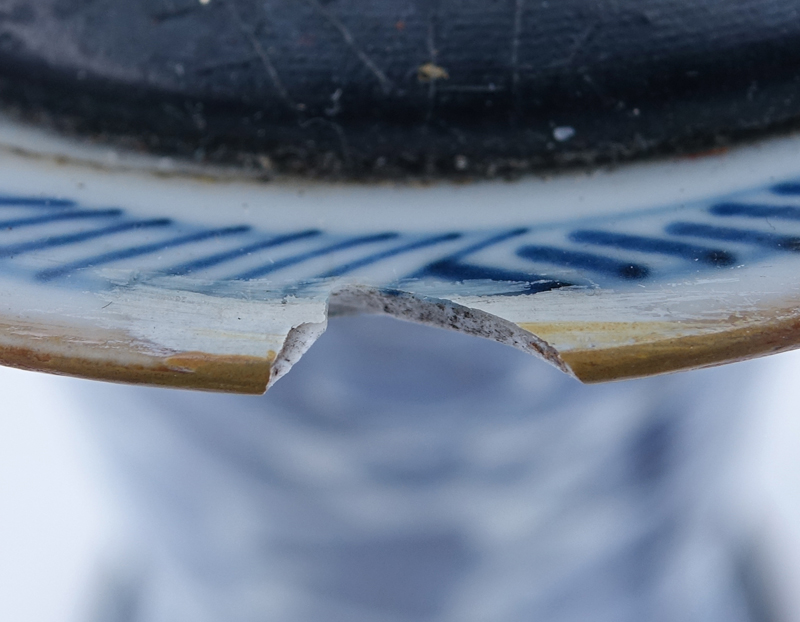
point(396, 87)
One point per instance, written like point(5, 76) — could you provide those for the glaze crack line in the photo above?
point(263, 56)
point(386, 83)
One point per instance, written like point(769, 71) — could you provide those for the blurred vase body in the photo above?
point(404, 473)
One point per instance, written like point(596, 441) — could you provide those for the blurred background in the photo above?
point(69, 529)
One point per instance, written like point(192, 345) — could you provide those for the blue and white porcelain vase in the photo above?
point(189, 190)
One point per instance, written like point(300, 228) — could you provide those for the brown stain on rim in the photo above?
point(656, 354)
point(592, 351)
point(186, 370)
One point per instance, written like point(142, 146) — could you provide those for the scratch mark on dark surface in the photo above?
point(164, 16)
point(470, 88)
point(386, 83)
point(607, 99)
point(262, 55)
point(580, 41)
point(433, 53)
point(516, 36)
point(226, 64)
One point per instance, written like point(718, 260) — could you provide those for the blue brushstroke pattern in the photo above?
point(138, 251)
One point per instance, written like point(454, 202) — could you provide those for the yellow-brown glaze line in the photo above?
point(671, 354)
point(189, 370)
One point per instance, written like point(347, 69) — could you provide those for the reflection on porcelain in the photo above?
point(119, 271)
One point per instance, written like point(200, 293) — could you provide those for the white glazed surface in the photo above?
point(165, 261)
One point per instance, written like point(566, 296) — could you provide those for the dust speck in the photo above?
point(563, 133)
point(430, 72)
